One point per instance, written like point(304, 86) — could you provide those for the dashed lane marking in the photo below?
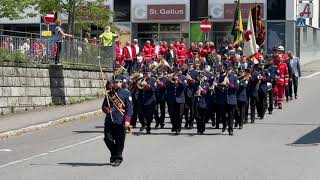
point(49, 152)
point(311, 75)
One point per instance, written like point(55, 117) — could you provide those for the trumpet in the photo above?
point(162, 63)
point(120, 70)
point(141, 83)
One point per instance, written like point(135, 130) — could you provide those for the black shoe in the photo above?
point(186, 126)
point(270, 112)
point(172, 130)
point(213, 124)
point(142, 128)
point(162, 126)
point(157, 126)
point(217, 127)
point(231, 133)
point(296, 97)
point(252, 121)
point(177, 133)
point(240, 127)
point(201, 133)
point(291, 98)
point(112, 160)
point(236, 125)
point(116, 163)
point(224, 129)
point(149, 132)
point(261, 118)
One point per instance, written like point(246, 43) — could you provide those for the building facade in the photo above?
point(173, 20)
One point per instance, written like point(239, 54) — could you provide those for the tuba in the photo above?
point(120, 70)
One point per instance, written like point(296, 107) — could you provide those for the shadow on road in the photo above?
point(76, 164)
point(287, 124)
point(172, 134)
point(312, 138)
point(83, 132)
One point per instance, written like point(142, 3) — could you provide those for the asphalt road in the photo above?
point(283, 146)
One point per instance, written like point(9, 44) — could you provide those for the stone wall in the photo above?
point(25, 87)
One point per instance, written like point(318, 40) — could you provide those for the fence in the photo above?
point(308, 44)
point(33, 48)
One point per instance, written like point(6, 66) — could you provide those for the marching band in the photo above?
point(200, 84)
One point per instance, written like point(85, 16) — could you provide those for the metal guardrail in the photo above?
point(33, 48)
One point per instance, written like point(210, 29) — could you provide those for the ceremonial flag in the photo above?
point(250, 45)
point(237, 29)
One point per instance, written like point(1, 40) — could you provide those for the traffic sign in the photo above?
point(301, 22)
point(205, 26)
point(49, 18)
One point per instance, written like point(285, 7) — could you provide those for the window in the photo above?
point(276, 35)
point(276, 9)
point(147, 27)
point(198, 9)
point(169, 27)
point(121, 10)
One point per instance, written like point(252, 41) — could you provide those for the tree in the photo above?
point(82, 12)
point(14, 10)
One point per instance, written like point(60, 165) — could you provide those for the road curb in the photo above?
point(49, 124)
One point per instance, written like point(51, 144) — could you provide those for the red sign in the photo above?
point(166, 12)
point(205, 26)
point(229, 10)
point(49, 18)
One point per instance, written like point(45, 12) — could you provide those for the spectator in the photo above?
point(60, 34)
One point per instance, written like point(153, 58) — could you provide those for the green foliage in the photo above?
point(17, 57)
point(79, 12)
point(13, 9)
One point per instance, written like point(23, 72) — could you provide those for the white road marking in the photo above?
point(311, 75)
point(5, 150)
point(53, 151)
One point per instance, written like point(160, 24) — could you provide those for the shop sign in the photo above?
point(305, 10)
point(166, 12)
point(226, 11)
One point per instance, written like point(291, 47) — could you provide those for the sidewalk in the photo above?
point(57, 114)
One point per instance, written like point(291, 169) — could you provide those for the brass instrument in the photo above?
point(120, 70)
point(162, 63)
point(141, 83)
point(134, 78)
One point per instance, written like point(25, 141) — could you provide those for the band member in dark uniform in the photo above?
point(117, 106)
point(176, 98)
point(201, 104)
point(160, 96)
point(192, 77)
point(148, 87)
point(241, 98)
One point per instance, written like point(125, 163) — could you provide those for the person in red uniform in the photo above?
point(147, 52)
point(163, 49)
point(135, 50)
point(280, 88)
point(119, 57)
point(181, 54)
point(127, 56)
point(176, 46)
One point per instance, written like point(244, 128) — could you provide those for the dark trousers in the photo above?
point(228, 122)
point(114, 137)
point(189, 107)
point(210, 114)
point(175, 112)
point(262, 104)
point(137, 113)
point(221, 114)
point(57, 58)
point(253, 104)
point(201, 117)
point(240, 113)
point(162, 106)
point(293, 83)
point(148, 116)
point(128, 66)
point(271, 99)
